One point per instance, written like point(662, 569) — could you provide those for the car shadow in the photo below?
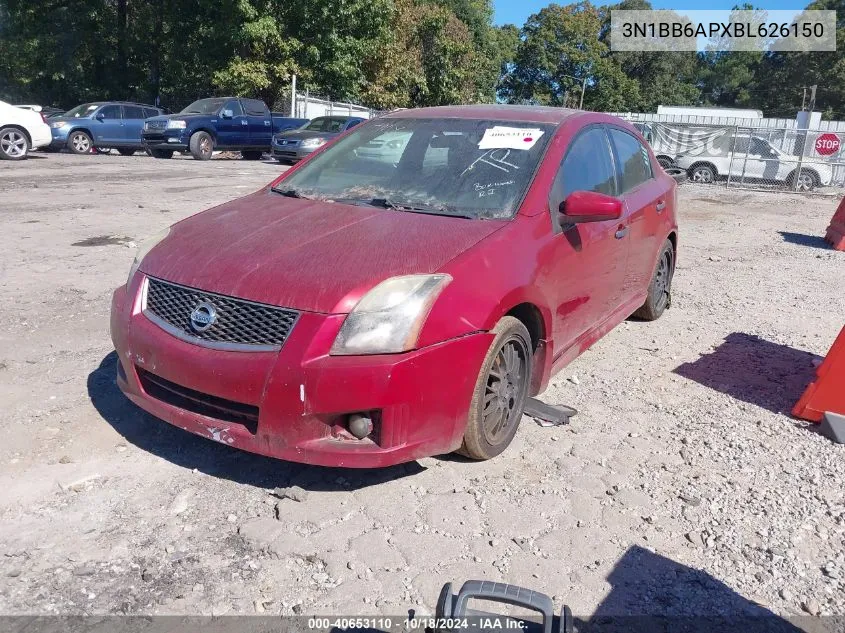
point(649, 592)
point(754, 370)
point(801, 239)
point(191, 451)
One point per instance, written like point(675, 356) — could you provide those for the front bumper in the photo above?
point(301, 396)
point(174, 140)
point(291, 152)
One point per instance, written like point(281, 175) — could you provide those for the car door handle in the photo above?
point(621, 232)
point(661, 205)
point(243, 122)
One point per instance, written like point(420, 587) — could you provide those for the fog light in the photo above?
point(360, 425)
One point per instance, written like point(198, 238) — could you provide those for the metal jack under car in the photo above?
point(373, 307)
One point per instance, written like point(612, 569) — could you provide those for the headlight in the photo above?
point(146, 246)
point(314, 142)
point(176, 124)
point(57, 124)
point(389, 318)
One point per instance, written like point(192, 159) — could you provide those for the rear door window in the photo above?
point(133, 112)
point(254, 107)
point(633, 160)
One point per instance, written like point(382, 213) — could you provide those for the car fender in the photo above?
point(203, 127)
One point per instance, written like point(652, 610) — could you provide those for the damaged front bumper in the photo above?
point(295, 404)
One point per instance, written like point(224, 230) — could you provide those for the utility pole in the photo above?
point(293, 96)
point(583, 89)
point(813, 97)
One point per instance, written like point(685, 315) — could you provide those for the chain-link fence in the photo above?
point(748, 156)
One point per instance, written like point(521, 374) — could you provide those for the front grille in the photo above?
point(155, 125)
point(239, 323)
point(288, 142)
point(198, 402)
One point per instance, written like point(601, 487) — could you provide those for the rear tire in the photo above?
point(126, 152)
point(702, 174)
point(161, 153)
point(13, 144)
point(660, 289)
point(202, 145)
point(79, 142)
point(500, 391)
point(252, 155)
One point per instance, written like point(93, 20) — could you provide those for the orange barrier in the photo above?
point(835, 235)
point(827, 391)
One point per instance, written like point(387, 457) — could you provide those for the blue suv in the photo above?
point(102, 125)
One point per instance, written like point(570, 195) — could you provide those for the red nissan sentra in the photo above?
point(403, 291)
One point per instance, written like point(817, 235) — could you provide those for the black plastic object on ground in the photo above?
point(680, 175)
point(548, 414)
point(454, 610)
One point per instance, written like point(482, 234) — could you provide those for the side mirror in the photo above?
point(589, 206)
point(99, 116)
point(227, 114)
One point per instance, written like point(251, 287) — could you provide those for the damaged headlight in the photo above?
point(389, 318)
point(146, 246)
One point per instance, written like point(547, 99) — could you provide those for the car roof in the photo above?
point(499, 112)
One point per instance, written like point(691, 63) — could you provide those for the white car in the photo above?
point(20, 131)
point(753, 158)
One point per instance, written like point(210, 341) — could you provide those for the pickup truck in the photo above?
point(218, 123)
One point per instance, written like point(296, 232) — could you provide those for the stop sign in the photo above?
point(827, 144)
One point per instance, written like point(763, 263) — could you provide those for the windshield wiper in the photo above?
point(290, 193)
point(421, 207)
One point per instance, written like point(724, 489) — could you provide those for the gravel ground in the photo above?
point(683, 487)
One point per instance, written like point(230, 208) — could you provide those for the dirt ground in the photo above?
point(682, 487)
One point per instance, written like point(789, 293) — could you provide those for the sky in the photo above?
point(517, 11)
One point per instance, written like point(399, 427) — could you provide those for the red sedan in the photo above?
point(403, 291)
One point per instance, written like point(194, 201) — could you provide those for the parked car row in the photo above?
point(205, 126)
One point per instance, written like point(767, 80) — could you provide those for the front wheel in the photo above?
point(806, 181)
point(500, 391)
point(13, 144)
point(126, 151)
point(252, 155)
point(79, 143)
point(161, 153)
point(660, 288)
point(202, 145)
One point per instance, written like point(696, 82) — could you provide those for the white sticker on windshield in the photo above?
point(501, 137)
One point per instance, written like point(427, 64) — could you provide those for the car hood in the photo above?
point(184, 117)
point(306, 254)
point(301, 135)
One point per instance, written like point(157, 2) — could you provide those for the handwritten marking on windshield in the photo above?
point(495, 158)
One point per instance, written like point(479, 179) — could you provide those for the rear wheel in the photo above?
point(252, 155)
point(660, 288)
point(13, 144)
point(161, 153)
point(202, 145)
point(126, 151)
point(702, 173)
point(79, 142)
point(500, 391)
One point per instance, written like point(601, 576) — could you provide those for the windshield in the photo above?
point(81, 111)
point(326, 124)
point(204, 106)
point(470, 167)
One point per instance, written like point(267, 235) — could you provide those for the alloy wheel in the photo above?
point(81, 143)
point(13, 144)
point(805, 182)
point(702, 174)
point(662, 277)
point(505, 392)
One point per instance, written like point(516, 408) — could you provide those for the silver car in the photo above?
point(293, 145)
